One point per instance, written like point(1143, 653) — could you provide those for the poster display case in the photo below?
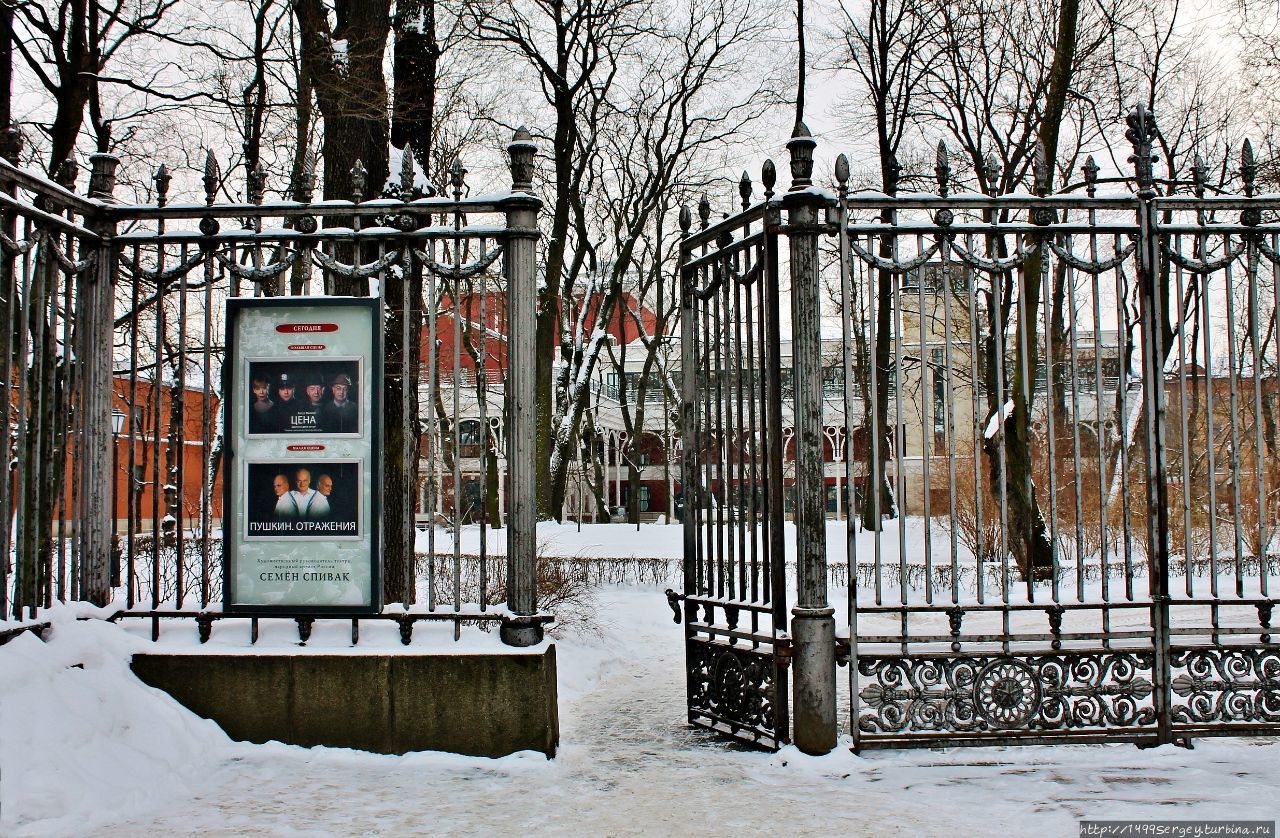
point(302, 458)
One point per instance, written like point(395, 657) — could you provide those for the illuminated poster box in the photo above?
point(302, 459)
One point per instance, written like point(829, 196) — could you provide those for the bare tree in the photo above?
point(886, 48)
point(71, 47)
point(343, 44)
point(573, 51)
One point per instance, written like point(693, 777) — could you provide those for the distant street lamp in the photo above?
point(118, 418)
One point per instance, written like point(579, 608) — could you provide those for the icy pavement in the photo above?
point(629, 765)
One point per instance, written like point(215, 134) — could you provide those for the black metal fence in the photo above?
point(113, 366)
point(1060, 413)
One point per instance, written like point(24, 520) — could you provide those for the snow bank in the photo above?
point(82, 741)
point(84, 745)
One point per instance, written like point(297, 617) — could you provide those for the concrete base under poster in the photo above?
point(477, 704)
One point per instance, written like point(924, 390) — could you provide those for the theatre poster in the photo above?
point(302, 384)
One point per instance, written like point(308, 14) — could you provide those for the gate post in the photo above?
point(1151, 307)
point(813, 623)
point(95, 316)
point(521, 626)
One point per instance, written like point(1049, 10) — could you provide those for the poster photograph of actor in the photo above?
point(313, 397)
point(302, 499)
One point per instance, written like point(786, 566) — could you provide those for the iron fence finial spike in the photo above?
point(991, 169)
point(842, 170)
point(162, 178)
point(768, 177)
point(1090, 169)
point(210, 177)
point(744, 189)
point(704, 210)
point(457, 177)
point(1248, 166)
point(1141, 133)
point(686, 219)
point(1040, 167)
point(1199, 175)
point(942, 168)
point(359, 179)
point(304, 188)
point(406, 173)
point(257, 183)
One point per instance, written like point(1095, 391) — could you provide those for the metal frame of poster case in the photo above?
point(230, 393)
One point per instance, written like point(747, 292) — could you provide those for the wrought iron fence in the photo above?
point(114, 365)
point(1061, 414)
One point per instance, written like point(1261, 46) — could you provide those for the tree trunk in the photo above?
point(878, 444)
point(415, 70)
point(351, 92)
point(1030, 537)
point(400, 432)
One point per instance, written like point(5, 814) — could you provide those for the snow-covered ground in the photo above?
point(85, 749)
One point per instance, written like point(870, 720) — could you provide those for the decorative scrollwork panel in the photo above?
point(993, 693)
point(734, 690)
point(1225, 685)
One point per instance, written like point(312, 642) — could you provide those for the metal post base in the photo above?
point(521, 631)
point(813, 637)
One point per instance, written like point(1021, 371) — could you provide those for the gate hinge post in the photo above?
point(813, 624)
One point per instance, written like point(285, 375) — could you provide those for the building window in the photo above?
point(643, 497)
point(833, 380)
point(939, 410)
point(469, 432)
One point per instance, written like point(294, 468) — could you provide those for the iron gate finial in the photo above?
point(522, 150)
point(359, 179)
point(406, 173)
point(1090, 169)
point(801, 146)
point(162, 178)
point(210, 177)
point(1141, 133)
point(1248, 167)
point(942, 168)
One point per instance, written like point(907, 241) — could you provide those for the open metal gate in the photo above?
point(734, 605)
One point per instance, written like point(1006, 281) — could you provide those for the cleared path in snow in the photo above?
point(629, 765)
